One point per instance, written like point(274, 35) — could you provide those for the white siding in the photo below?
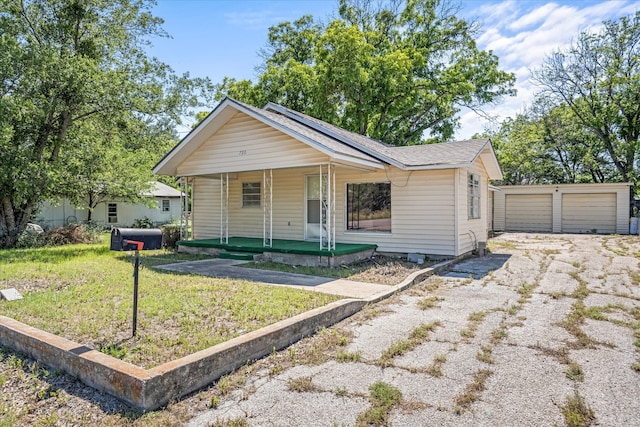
point(422, 211)
point(529, 212)
point(471, 231)
point(422, 208)
point(56, 215)
point(205, 208)
point(582, 213)
point(246, 144)
point(64, 213)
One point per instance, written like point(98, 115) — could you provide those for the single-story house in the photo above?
point(167, 208)
point(274, 175)
point(562, 208)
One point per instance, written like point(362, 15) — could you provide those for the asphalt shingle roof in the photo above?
point(299, 128)
point(446, 153)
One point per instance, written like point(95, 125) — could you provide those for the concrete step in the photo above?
point(242, 256)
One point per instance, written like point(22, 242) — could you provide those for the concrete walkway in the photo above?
point(228, 268)
point(544, 328)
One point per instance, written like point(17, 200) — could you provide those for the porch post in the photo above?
point(329, 205)
point(333, 208)
point(267, 208)
point(183, 207)
point(224, 208)
point(321, 217)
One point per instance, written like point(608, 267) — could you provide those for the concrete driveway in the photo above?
point(545, 328)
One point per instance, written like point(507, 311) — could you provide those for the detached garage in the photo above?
point(563, 208)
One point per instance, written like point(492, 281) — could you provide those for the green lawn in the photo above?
point(85, 293)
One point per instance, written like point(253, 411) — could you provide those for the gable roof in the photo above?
point(158, 189)
point(336, 142)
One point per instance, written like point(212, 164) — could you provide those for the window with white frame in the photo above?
point(166, 205)
point(369, 207)
point(473, 194)
point(112, 213)
point(250, 194)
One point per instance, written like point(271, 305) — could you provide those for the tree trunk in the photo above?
point(12, 223)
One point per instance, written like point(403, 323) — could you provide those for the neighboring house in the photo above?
point(563, 208)
point(167, 208)
point(274, 173)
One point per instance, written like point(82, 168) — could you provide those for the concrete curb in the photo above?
point(153, 388)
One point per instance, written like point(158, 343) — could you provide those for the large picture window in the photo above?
point(250, 194)
point(473, 192)
point(369, 207)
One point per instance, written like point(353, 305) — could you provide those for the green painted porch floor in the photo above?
point(249, 244)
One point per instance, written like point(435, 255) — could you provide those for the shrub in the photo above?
point(70, 234)
point(29, 239)
point(142, 223)
point(170, 235)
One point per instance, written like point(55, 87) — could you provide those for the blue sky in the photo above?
point(217, 38)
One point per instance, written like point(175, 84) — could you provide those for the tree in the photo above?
point(546, 145)
point(77, 95)
point(394, 72)
point(598, 80)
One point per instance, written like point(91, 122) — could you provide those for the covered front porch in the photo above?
point(297, 252)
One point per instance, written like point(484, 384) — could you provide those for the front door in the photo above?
point(315, 218)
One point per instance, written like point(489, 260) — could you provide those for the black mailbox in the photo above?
point(122, 239)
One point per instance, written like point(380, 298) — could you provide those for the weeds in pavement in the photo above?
point(435, 369)
point(383, 397)
point(472, 391)
point(475, 319)
point(484, 355)
point(430, 302)
point(577, 413)
point(574, 372)
point(233, 422)
point(416, 337)
point(302, 385)
point(345, 356)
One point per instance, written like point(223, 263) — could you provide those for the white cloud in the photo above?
point(522, 37)
point(254, 19)
point(533, 17)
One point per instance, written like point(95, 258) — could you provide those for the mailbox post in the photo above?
point(126, 239)
point(136, 267)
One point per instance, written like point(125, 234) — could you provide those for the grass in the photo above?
point(417, 336)
point(577, 413)
point(84, 293)
point(383, 397)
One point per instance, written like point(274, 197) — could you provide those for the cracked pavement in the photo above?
point(516, 334)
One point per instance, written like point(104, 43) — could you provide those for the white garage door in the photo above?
point(529, 212)
point(588, 213)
